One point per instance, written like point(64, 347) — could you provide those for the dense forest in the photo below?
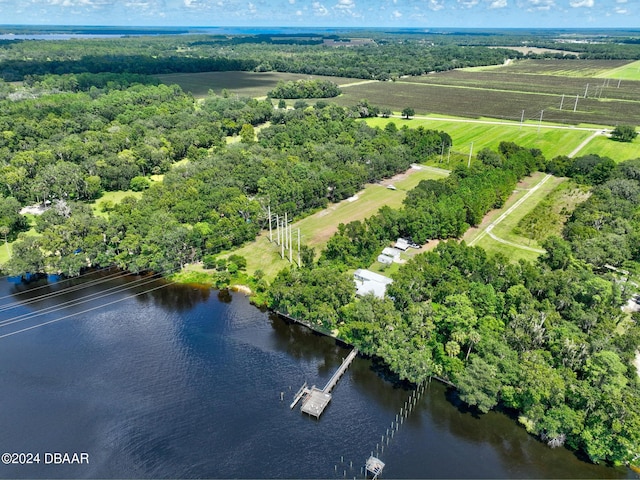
point(546, 341)
point(217, 200)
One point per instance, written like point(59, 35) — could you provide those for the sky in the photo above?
point(327, 13)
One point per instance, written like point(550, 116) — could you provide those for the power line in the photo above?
point(74, 302)
point(85, 311)
point(57, 283)
point(64, 291)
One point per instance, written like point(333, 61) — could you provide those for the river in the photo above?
point(186, 382)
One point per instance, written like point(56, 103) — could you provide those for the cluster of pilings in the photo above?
point(345, 469)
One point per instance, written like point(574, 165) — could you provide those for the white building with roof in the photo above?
point(370, 282)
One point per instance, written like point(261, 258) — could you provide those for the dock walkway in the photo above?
point(314, 400)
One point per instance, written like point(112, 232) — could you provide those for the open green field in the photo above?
point(630, 71)
point(246, 84)
point(564, 68)
point(316, 229)
point(618, 151)
point(551, 141)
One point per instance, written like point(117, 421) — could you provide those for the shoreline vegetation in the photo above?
point(545, 338)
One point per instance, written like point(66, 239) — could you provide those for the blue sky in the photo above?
point(348, 13)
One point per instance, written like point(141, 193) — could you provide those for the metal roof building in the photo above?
point(370, 282)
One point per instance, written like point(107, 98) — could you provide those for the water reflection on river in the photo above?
point(186, 382)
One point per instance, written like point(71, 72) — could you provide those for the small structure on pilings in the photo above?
point(314, 400)
point(374, 466)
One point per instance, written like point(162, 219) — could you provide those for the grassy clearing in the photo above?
point(618, 151)
point(504, 229)
point(552, 142)
point(630, 71)
point(246, 84)
point(112, 197)
point(5, 253)
point(316, 229)
point(550, 215)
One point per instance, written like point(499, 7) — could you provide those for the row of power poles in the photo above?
point(284, 236)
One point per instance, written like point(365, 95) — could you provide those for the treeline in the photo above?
point(219, 199)
point(72, 146)
point(546, 341)
point(305, 89)
point(187, 54)
point(389, 56)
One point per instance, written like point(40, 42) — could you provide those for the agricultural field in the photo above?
point(246, 84)
point(481, 102)
point(617, 151)
point(315, 230)
point(504, 80)
point(488, 134)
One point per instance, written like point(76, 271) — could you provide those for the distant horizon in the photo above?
point(79, 26)
point(373, 14)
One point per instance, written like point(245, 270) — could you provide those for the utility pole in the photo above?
point(270, 232)
point(562, 101)
point(586, 90)
point(470, 152)
point(540, 123)
point(278, 229)
point(576, 105)
point(290, 245)
point(299, 260)
point(522, 118)
point(619, 80)
point(286, 231)
point(282, 243)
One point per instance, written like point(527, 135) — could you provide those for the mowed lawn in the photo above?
point(551, 141)
point(617, 151)
point(114, 197)
point(316, 229)
point(246, 84)
point(631, 71)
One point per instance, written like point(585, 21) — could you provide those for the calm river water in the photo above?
point(185, 382)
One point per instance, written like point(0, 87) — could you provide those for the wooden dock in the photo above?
point(314, 400)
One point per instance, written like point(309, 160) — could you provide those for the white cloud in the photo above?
point(319, 9)
point(292, 2)
point(435, 5)
point(538, 5)
point(621, 11)
point(345, 4)
point(78, 3)
point(396, 14)
point(581, 3)
point(468, 3)
point(498, 4)
point(298, 13)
